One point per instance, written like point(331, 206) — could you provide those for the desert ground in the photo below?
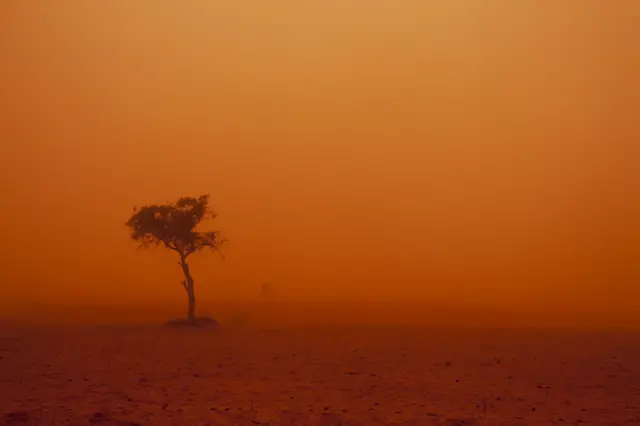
point(316, 375)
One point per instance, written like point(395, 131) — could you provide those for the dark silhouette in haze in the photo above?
point(267, 291)
point(173, 226)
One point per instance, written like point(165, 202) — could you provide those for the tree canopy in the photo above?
point(174, 225)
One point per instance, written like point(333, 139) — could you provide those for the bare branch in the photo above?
point(220, 244)
point(170, 245)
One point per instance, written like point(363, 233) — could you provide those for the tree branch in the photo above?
point(170, 245)
point(202, 240)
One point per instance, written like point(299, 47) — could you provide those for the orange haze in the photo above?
point(472, 152)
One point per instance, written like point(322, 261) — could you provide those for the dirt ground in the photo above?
point(154, 375)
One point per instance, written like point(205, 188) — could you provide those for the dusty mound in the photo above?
point(201, 322)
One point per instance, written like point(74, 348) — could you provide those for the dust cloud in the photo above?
point(422, 161)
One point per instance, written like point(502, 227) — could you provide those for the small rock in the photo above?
point(98, 417)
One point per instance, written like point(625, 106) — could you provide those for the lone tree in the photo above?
point(173, 226)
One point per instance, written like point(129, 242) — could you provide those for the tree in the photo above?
point(173, 227)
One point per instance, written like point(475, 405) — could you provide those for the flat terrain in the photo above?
point(154, 375)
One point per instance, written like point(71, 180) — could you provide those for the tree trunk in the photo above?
point(189, 287)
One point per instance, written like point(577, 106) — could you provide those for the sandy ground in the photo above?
point(151, 375)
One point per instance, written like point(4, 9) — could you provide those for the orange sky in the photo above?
point(464, 150)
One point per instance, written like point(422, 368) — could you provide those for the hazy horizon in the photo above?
point(472, 153)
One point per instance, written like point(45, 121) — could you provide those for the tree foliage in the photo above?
point(174, 226)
